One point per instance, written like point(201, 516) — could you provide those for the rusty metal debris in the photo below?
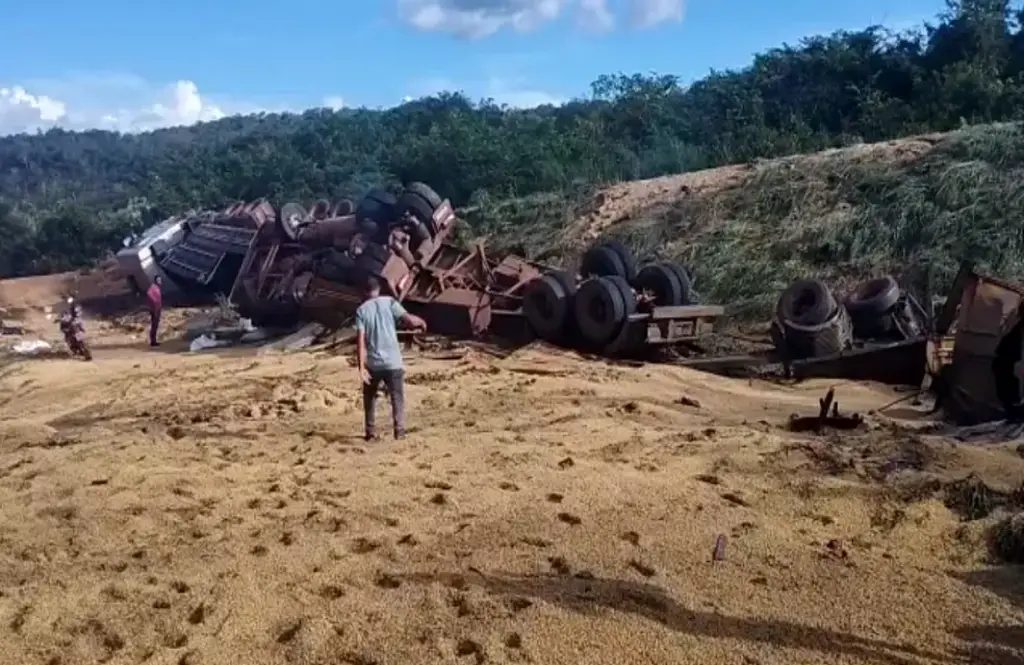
point(828, 417)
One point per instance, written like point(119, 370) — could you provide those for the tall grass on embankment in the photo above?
point(914, 208)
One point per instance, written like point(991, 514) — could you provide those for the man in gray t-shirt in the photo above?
point(379, 354)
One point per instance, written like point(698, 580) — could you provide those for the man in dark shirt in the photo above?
point(155, 303)
point(379, 354)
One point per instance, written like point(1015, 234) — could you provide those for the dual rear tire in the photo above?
point(594, 314)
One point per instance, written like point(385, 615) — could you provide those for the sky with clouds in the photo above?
point(133, 66)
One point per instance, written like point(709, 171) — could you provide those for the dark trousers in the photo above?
point(154, 325)
point(394, 382)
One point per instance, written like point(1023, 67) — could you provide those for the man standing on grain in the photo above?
point(379, 355)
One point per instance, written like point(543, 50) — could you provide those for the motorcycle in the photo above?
point(74, 336)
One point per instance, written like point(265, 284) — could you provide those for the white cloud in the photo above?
point(474, 19)
point(649, 13)
point(518, 94)
point(594, 15)
point(334, 102)
point(121, 103)
point(22, 111)
point(478, 18)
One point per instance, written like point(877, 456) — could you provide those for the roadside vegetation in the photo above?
point(521, 175)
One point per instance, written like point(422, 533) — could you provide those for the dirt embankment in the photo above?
point(219, 510)
point(913, 208)
point(26, 298)
point(646, 200)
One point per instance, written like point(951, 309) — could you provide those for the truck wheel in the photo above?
point(602, 306)
point(379, 206)
point(336, 266)
point(806, 302)
point(628, 260)
point(417, 206)
point(873, 298)
point(830, 337)
point(601, 261)
point(661, 281)
point(289, 220)
point(382, 196)
point(379, 253)
point(425, 192)
point(419, 233)
point(343, 208)
point(547, 305)
point(374, 232)
point(684, 279)
point(320, 210)
point(609, 259)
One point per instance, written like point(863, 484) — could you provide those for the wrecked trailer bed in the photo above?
point(895, 363)
point(470, 294)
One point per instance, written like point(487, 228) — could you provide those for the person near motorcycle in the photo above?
point(73, 327)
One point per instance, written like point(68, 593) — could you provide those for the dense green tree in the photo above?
point(67, 197)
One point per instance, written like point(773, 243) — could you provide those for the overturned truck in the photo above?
point(311, 266)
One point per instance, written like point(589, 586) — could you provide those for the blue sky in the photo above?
point(135, 65)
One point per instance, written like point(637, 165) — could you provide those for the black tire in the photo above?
point(828, 338)
point(689, 297)
point(344, 208)
point(609, 259)
point(548, 305)
point(379, 253)
point(602, 261)
point(660, 280)
point(374, 232)
point(874, 298)
point(289, 220)
point(379, 206)
point(628, 260)
point(807, 302)
point(336, 267)
point(601, 309)
point(382, 196)
point(320, 209)
point(425, 192)
point(418, 207)
point(288, 229)
point(419, 233)
point(368, 228)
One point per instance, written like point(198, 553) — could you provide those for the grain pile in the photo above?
point(163, 508)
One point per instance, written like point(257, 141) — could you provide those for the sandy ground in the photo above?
point(221, 509)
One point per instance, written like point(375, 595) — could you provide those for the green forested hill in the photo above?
point(67, 197)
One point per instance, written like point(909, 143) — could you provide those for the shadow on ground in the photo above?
point(588, 594)
point(996, 645)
